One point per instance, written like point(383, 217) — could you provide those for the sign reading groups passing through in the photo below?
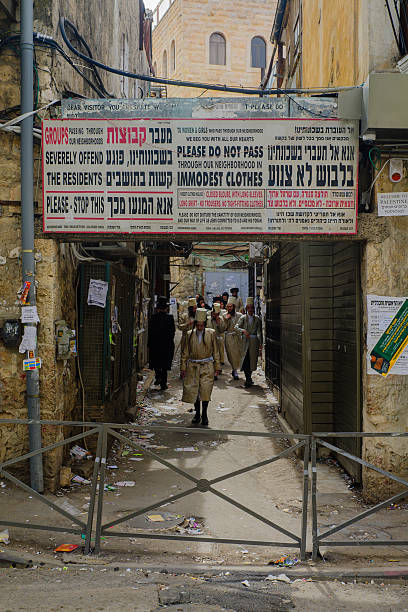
point(205, 176)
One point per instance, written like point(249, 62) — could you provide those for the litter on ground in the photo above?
point(4, 536)
point(279, 578)
point(66, 548)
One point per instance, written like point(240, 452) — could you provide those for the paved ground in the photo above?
point(274, 491)
point(113, 589)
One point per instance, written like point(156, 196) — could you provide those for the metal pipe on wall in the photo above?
point(27, 229)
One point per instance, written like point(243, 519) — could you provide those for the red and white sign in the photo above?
point(206, 176)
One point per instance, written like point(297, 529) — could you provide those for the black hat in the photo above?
point(162, 302)
point(234, 289)
point(225, 293)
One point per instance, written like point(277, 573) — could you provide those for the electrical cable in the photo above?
point(177, 83)
point(376, 163)
point(308, 110)
point(25, 115)
point(45, 41)
point(83, 42)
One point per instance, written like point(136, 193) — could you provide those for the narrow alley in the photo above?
point(141, 573)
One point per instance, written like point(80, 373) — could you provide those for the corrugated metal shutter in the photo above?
point(346, 348)
point(291, 306)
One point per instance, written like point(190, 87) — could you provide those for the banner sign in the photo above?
point(387, 334)
point(206, 176)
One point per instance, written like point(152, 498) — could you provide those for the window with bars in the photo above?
point(258, 52)
point(218, 52)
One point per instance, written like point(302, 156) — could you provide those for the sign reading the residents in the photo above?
point(206, 176)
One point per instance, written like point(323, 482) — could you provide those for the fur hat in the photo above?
point(192, 302)
point(201, 315)
point(232, 300)
point(250, 301)
point(216, 307)
point(162, 302)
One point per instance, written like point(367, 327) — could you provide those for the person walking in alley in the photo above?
point(161, 342)
point(200, 361)
point(186, 321)
point(239, 306)
point(250, 326)
point(213, 322)
point(233, 339)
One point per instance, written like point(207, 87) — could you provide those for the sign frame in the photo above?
point(197, 230)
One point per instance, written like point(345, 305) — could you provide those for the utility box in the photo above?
point(65, 340)
point(384, 105)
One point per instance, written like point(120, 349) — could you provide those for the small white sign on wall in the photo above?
point(392, 204)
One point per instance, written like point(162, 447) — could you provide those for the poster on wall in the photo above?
point(207, 176)
point(381, 311)
point(392, 204)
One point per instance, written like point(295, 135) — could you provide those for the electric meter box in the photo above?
point(65, 340)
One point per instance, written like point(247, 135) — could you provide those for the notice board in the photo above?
point(200, 176)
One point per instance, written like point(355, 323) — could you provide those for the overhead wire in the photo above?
point(214, 87)
point(45, 41)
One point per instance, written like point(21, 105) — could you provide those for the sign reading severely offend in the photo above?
point(206, 176)
point(392, 342)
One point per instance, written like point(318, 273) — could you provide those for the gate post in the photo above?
point(101, 489)
point(305, 498)
point(314, 502)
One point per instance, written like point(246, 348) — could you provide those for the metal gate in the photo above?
point(307, 443)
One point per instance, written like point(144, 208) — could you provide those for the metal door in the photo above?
point(347, 349)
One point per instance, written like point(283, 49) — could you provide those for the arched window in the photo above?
point(173, 56)
point(217, 49)
point(164, 68)
point(258, 52)
point(155, 68)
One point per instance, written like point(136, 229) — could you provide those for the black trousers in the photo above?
point(161, 376)
point(246, 366)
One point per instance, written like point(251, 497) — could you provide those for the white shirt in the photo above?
point(250, 319)
point(199, 336)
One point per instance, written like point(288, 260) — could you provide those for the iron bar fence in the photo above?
point(320, 539)
point(307, 444)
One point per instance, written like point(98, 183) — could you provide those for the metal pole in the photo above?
point(27, 228)
point(104, 452)
point(305, 500)
point(315, 532)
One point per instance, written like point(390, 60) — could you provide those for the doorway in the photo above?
point(313, 337)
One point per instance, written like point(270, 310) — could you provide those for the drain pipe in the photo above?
point(27, 229)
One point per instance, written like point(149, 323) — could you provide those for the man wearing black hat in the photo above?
point(161, 342)
point(224, 300)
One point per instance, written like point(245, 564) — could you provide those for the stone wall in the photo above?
point(385, 400)
point(189, 276)
point(190, 24)
point(111, 28)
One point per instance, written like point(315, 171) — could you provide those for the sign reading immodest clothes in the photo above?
point(207, 176)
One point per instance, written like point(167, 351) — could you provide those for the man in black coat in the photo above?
point(161, 342)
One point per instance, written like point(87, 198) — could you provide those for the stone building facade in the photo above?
point(343, 44)
point(110, 29)
point(183, 36)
